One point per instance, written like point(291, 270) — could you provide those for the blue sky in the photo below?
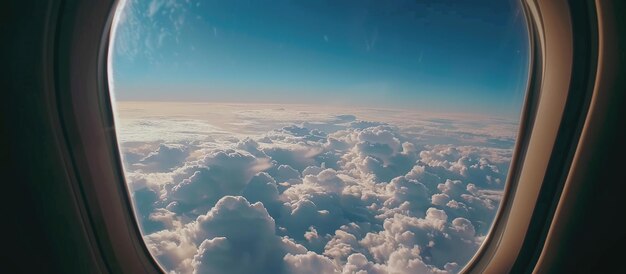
point(445, 56)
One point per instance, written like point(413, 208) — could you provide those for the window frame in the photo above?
point(81, 99)
point(84, 108)
point(564, 38)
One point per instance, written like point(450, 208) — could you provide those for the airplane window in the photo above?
point(294, 136)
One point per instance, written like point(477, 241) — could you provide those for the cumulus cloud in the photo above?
point(218, 174)
point(164, 158)
point(328, 193)
point(229, 245)
point(233, 237)
point(409, 191)
point(310, 263)
point(357, 263)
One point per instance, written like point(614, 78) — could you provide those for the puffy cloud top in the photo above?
point(335, 195)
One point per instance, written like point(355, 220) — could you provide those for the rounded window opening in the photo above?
point(317, 136)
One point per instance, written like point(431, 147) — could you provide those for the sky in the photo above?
point(319, 136)
point(441, 56)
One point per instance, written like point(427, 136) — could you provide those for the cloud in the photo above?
point(154, 7)
point(426, 244)
point(342, 245)
point(378, 153)
point(229, 245)
point(309, 263)
point(144, 200)
point(233, 237)
point(285, 173)
point(263, 188)
point(358, 263)
point(216, 175)
point(469, 163)
point(407, 190)
point(401, 230)
point(144, 26)
point(164, 158)
point(328, 193)
point(408, 261)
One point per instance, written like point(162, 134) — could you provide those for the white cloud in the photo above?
point(407, 190)
point(216, 175)
point(342, 245)
point(328, 193)
point(310, 263)
point(164, 158)
point(263, 188)
point(233, 237)
point(229, 245)
point(154, 7)
point(407, 261)
point(357, 263)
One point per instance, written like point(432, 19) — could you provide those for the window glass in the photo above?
point(317, 136)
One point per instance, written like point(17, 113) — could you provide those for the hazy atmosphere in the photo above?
point(317, 136)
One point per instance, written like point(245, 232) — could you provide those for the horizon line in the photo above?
point(328, 106)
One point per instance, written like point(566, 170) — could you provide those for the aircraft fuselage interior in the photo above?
point(165, 136)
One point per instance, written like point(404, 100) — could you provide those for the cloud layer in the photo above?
point(318, 192)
